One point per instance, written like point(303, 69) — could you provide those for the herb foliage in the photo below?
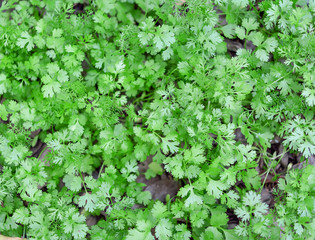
point(121, 80)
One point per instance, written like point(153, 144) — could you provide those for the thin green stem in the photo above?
point(157, 135)
point(144, 96)
point(83, 182)
point(255, 9)
point(270, 166)
point(42, 152)
point(88, 62)
point(24, 231)
point(101, 170)
point(280, 78)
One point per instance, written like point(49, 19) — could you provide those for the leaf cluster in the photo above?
point(104, 84)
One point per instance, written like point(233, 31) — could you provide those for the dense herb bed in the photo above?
point(157, 119)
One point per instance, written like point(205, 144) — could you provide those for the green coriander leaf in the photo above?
point(76, 128)
point(181, 233)
point(250, 24)
point(183, 68)
point(3, 113)
point(62, 76)
point(192, 199)
point(143, 231)
point(229, 30)
point(159, 210)
point(144, 197)
point(135, 234)
point(307, 149)
point(270, 44)
point(262, 55)
point(80, 231)
point(3, 88)
point(218, 218)
point(251, 199)
point(158, 42)
point(240, 3)
point(308, 93)
point(57, 32)
point(230, 234)
point(21, 215)
point(215, 188)
point(168, 38)
point(52, 68)
point(242, 213)
point(25, 39)
point(72, 182)
point(240, 32)
point(298, 228)
point(256, 37)
point(164, 229)
point(145, 37)
point(212, 233)
point(88, 201)
point(166, 55)
point(170, 144)
point(50, 89)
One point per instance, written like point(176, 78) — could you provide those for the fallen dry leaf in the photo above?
point(9, 238)
point(182, 2)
